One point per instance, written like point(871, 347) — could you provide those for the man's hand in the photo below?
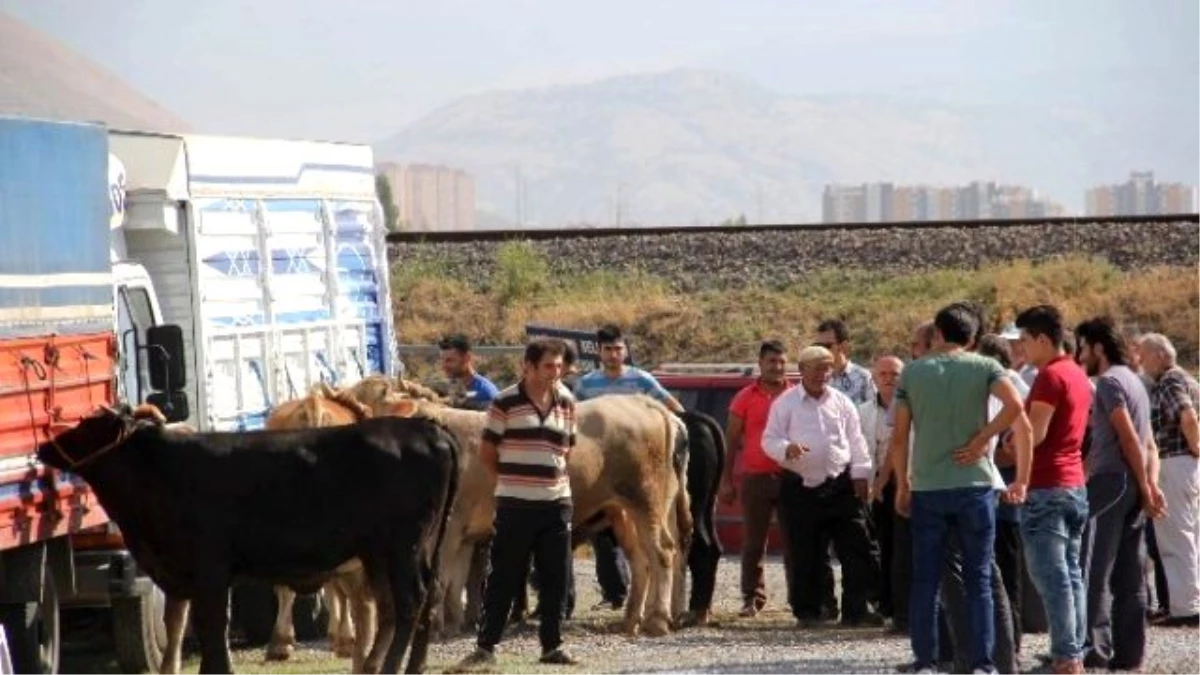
point(862, 490)
point(1015, 494)
point(794, 450)
point(1154, 503)
point(877, 488)
point(903, 501)
point(972, 452)
point(727, 493)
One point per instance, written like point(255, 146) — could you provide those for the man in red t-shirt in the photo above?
point(1056, 507)
point(760, 474)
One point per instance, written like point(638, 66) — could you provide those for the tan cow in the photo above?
point(622, 475)
point(348, 595)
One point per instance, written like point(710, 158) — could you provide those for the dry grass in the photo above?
point(720, 326)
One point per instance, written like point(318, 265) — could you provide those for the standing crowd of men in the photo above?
point(938, 484)
point(941, 482)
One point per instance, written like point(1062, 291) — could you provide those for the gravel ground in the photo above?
point(768, 643)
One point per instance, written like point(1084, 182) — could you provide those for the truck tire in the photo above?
point(139, 634)
point(34, 640)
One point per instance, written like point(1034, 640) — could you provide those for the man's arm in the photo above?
point(775, 437)
point(860, 456)
point(1040, 413)
point(654, 388)
point(1135, 453)
point(1177, 396)
point(1190, 427)
point(898, 456)
point(977, 447)
point(734, 433)
point(493, 433)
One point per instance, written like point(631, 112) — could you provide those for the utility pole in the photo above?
point(517, 195)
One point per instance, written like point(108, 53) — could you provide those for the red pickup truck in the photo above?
point(710, 388)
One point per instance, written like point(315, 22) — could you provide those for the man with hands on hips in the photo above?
point(814, 432)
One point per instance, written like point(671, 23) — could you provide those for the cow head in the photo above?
point(96, 435)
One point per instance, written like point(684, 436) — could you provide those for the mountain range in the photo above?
point(701, 146)
point(697, 146)
point(41, 77)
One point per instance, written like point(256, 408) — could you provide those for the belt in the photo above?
point(1181, 452)
point(792, 475)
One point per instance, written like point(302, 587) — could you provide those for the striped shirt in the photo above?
point(532, 449)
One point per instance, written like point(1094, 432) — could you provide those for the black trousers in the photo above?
point(1010, 557)
point(883, 530)
point(525, 529)
point(612, 570)
point(829, 512)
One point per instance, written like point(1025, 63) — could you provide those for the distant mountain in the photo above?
point(41, 77)
point(693, 146)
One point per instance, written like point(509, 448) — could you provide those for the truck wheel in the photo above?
point(33, 632)
point(139, 634)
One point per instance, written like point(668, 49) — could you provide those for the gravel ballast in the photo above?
point(769, 643)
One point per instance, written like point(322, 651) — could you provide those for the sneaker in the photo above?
point(477, 658)
point(558, 657)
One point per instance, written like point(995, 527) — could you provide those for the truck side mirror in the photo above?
point(164, 347)
point(172, 404)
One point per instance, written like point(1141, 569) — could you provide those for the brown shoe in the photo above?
point(1067, 667)
point(749, 611)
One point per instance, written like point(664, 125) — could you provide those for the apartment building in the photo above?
point(885, 202)
point(431, 198)
point(1140, 195)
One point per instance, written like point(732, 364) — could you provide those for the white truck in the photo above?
point(270, 257)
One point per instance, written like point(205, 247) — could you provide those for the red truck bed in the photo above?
point(44, 380)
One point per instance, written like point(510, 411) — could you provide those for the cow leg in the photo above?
point(429, 584)
point(629, 538)
point(211, 620)
point(660, 553)
point(361, 602)
point(456, 579)
point(678, 571)
point(283, 635)
point(408, 593)
point(377, 577)
point(175, 616)
point(341, 623)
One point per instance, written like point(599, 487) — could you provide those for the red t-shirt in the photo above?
point(1058, 459)
point(752, 404)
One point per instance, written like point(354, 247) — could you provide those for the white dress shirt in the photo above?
point(877, 430)
point(829, 426)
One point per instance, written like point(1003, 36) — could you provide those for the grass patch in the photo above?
point(726, 325)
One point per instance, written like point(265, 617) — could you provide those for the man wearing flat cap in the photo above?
point(813, 432)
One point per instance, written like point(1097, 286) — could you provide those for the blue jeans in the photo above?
point(1052, 529)
point(968, 514)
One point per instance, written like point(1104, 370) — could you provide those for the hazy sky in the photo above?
point(359, 70)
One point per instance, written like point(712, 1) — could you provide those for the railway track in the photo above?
point(610, 232)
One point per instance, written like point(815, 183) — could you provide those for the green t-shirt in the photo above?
point(947, 396)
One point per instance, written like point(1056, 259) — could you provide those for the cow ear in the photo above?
point(405, 407)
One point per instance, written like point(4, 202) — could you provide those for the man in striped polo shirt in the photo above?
point(530, 432)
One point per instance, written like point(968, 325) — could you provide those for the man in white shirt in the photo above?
point(814, 432)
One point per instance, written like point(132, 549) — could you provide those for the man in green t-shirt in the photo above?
point(951, 488)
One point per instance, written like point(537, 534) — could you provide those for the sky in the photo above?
point(360, 70)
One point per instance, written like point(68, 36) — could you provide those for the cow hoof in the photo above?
point(657, 626)
point(344, 651)
point(630, 628)
point(278, 652)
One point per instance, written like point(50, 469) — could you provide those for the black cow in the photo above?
point(706, 461)
point(287, 507)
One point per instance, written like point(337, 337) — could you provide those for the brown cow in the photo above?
point(622, 475)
